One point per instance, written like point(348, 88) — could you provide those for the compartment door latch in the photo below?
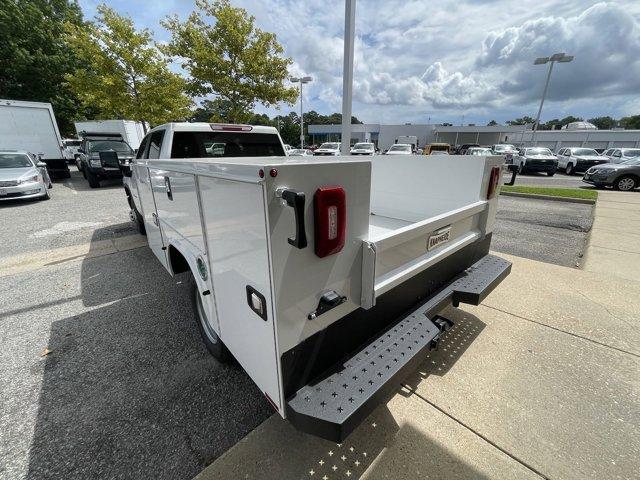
point(328, 301)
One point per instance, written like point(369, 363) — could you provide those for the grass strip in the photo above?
point(587, 194)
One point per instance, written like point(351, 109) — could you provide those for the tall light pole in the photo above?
point(347, 74)
point(301, 80)
point(556, 57)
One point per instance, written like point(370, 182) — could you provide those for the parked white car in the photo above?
point(619, 155)
point(363, 148)
point(325, 279)
point(535, 159)
point(328, 148)
point(300, 152)
point(578, 159)
point(400, 149)
point(22, 177)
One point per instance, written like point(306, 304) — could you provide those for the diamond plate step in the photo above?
point(333, 405)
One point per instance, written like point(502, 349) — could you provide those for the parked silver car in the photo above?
point(620, 155)
point(22, 176)
point(299, 152)
point(621, 176)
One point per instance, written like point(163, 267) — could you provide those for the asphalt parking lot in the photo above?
point(102, 382)
point(543, 230)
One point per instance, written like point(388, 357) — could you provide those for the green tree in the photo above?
point(492, 123)
point(630, 123)
point(34, 57)
point(123, 74)
point(226, 55)
point(570, 119)
point(604, 123)
point(521, 121)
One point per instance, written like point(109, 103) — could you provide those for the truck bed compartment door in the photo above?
point(150, 183)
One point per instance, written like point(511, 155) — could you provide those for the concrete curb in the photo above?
point(549, 197)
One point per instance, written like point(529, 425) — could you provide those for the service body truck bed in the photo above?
point(324, 276)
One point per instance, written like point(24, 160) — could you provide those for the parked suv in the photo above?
point(536, 159)
point(96, 167)
point(578, 159)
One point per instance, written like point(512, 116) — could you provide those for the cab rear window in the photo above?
point(225, 144)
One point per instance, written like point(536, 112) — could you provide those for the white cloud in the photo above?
point(445, 58)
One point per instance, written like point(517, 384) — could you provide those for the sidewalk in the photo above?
point(614, 243)
point(541, 381)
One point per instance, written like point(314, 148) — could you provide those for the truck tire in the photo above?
point(137, 219)
point(92, 179)
point(551, 173)
point(210, 338)
point(569, 169)
point(625, 183)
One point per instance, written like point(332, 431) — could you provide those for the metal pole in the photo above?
point(301, 119)
point(544, 94)
point(347, 74)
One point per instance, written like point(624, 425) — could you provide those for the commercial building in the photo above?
point(385, 135)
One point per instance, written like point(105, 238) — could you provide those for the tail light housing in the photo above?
point(330, 210)
point(493, 182)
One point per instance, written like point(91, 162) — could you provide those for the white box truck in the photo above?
point(132, 132)
point(323, 276)
point(32, 127)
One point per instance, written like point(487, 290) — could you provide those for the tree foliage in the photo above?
point(122, 73)
point(227, 56)
point(34, 57)
point(604, 123)
point(630, 123)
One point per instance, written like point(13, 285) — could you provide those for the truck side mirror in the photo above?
point(41, 165)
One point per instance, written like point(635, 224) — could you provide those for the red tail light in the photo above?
point(226, 127)
point(493, 182)
point(330, 208)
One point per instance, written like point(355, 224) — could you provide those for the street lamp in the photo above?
point(556, 57)
point(301, 80)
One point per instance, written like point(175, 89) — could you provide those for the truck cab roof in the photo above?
point(208, 127)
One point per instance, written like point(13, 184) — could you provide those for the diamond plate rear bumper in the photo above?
point(333, 405)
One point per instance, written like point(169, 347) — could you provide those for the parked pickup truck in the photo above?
point(323, 276)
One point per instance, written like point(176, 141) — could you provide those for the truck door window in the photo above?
point(225, 144)
point(143, 147)
point(155, 144)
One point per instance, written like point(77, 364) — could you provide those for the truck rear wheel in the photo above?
point(210, 338)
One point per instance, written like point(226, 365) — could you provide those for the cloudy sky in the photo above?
point(445, 60)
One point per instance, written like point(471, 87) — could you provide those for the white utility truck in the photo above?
point(32, 127)
point(323, 276)
point(131, 131)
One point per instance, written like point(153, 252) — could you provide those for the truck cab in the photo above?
point(198, 140)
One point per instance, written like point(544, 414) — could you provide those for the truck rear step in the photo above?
point(333, 405)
